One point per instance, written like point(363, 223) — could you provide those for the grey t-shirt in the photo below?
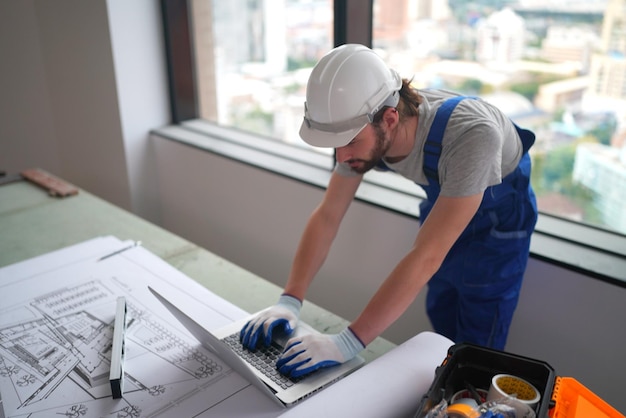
point(480, 146)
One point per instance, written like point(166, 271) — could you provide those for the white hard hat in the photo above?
point(345, 90)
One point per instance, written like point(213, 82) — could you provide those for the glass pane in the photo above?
point(559, 70)
point(253, 58)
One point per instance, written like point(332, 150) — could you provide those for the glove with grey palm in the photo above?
point(304, 355)
point(284, 316)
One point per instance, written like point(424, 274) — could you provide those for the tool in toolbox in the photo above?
point(480, 382)
point(54, 185)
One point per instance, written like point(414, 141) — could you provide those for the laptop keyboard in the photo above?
point(263, 359)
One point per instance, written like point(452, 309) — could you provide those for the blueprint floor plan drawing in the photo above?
point(56, 328)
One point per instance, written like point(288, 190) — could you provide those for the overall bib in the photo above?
point(473, 295)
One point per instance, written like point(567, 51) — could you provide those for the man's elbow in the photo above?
point(429, 261)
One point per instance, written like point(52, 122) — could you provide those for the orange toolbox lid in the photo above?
point(573, 400)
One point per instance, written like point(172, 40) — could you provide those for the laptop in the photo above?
point(253, 365)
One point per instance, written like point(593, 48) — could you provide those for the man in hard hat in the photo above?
point(473, 243)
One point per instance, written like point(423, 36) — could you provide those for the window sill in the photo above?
point(587, 250)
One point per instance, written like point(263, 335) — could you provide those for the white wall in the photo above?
point(141, 86)
point(83, 82)
point(26, 121)
point(255, 218)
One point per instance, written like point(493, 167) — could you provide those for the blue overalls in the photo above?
point(473, 295)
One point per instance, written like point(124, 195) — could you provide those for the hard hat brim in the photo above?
point(323, 139)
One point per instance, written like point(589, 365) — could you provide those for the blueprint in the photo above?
point(56, 322)
point(56, 328)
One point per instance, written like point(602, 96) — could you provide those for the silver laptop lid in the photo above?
point(285, 397)
point(216, 346)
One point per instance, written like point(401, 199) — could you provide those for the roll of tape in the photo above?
point(460, 410)
point(465, 395)
point(515, 388)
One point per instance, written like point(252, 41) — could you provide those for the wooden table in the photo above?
point(33, 223)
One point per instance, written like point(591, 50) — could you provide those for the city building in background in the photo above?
point(500, 38)
point(601, 167)
point(573, 44)
point(557, 67)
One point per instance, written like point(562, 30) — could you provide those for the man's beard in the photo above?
point(377, 154)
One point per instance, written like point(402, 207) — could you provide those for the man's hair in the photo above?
point(407, 106)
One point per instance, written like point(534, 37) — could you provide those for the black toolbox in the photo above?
point(476, 365)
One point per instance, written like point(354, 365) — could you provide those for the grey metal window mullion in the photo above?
point(353, 23)
point(180, 60)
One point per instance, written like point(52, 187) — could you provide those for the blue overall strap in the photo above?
point(381, 166)
point(432, 147)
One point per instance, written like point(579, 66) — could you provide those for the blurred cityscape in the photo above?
point(557, 67)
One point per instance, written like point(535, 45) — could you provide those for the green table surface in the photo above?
point(33, 223)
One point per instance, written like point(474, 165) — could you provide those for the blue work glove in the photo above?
point(308, 353)
point(283, 315)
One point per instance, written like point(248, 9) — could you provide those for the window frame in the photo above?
point(590, 250)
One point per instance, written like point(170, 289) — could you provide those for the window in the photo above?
point(535, 63)
point(253, 59)
point(241, 66)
